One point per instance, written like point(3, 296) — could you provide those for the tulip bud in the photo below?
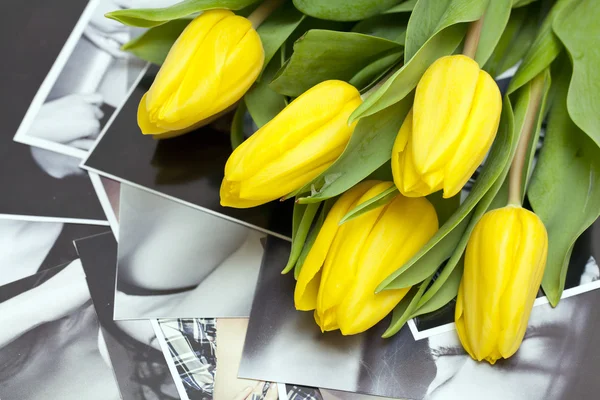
point(302, 141)
point(346, 263)
point(504, 265)
point(450, 129)
point(210, 67)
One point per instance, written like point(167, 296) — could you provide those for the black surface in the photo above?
point(32, 33)
point(189, 167)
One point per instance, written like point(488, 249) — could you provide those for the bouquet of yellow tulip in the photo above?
point(374, 115)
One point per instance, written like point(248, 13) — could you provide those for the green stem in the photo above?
point(515, 183)
point(259, 15)
point(472, 38)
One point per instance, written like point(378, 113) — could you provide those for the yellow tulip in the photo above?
point(303, 140)
point(450, 129)
point(210, 67)
point(504, 265)
point(346, 263)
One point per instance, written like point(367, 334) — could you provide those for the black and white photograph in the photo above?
point(187, 169)
point(51, 346)
point(556, 360)
point(297, 392)
point(29, 247)
point(176, 261)
point(140, 368)
point(206, 353)
point(90, 78)
point(37, 182)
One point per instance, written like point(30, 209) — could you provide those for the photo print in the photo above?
point(187, 169)
point(38, 182)
point(29, 247)
point(89, 79)
point(109, 195)
point(176, 261)
point(206, 354)
point(50, 343)
point(557, 360)
point(297, 392)
point(132, 347)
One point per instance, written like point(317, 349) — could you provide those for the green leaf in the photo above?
point(543, 51)
point(342, 10)
point(237, 125)
point(430, 17)
point(262, 101)
point(386, 26)
point(149, 17)
point(154, 44)
point(405, 6)
point(516, 39)
point(368, 149)
point(405, 308)
point(278, 26)
point(375, 202)
point(444, 208)
point(565, 188)
point(579, 30)
point(321, 55)
point(377, 70)
point(399, 85)
point(383, 173)
point(442, 296)
point(497, 161)
point(494, 23)
point(521, 3)
point(302, 220)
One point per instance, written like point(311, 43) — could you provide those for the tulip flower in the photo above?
point(346, 263)
point(450, 129)
point(210, 67)
point(302, 141)
point(504, 265)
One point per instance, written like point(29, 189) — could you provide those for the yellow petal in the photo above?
point(407, 179)
point(304, 297)
point(442, 103)
point(302, 117)
point(504, 265)
point(294, 147)
point(147, 127)
point(181, 55)
point(340, 265)
point(209, 68)
point(477, 136)
point(323, 146)
point(405, 225)
point(527, 273)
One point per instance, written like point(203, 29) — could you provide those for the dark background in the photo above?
point(189, 167)
point(32, 33)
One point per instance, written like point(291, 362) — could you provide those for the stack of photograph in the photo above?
point(123, 277)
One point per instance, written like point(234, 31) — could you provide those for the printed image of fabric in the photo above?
point(302, 393)
point(192, 344)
